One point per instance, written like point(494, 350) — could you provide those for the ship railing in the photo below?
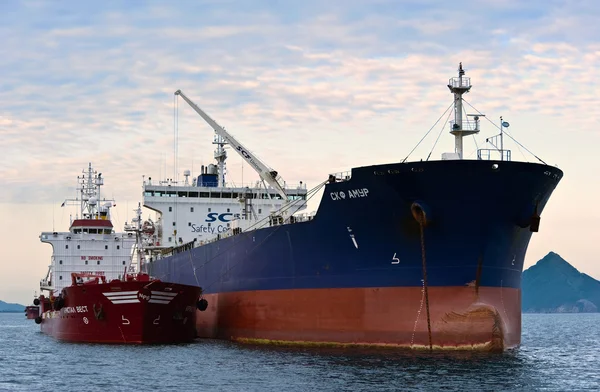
point(487, 154)
point(298, 218)
point(341, 176)
point(229, 186)
point(463, 82)
point(305, 217)
point(467, 125)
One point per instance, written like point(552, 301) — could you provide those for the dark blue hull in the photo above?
point(478, 221)
point(479, 216)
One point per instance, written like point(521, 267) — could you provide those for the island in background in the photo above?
point(553, 285)
point(11, 308)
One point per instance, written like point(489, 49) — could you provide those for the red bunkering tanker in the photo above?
point(98, 289)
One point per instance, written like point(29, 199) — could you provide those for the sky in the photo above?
point(311, 87)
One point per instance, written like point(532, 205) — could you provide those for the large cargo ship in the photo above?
point(97, 290)
point(424, 254)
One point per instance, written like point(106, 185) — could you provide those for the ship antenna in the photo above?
point(459, 86)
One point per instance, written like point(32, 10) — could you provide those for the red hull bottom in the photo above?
point(124, 312)
point(459, 317)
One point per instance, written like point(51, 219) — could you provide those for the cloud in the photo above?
point(311, 87)
point(91, 82)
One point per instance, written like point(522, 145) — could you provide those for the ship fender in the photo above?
point(98, 311)
point(421, 212)
point(59, 303)
point(530, 217)
point(534, 225)
point(202, 304)
point(38, 320)
point(36, 301)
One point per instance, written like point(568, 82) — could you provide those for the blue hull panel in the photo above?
point(365, 235)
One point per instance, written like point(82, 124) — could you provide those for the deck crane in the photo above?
point(265, 172)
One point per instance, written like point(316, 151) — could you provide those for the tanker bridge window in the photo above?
point(98, 262)
point(191, 209)
point(78, 247)
point(170, 209)
point(105, 246)
point(60, 262)
point(118, 246)
point(66, 246)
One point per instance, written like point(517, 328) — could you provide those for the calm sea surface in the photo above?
point(559, 352)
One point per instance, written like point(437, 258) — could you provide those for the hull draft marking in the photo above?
point(352, 237)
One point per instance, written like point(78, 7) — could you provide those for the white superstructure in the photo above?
point(91, 245)
point(208, 207)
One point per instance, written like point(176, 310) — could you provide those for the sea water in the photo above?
point(559, 352)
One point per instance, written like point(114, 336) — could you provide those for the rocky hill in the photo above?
point(553, 285)
point(6, 307)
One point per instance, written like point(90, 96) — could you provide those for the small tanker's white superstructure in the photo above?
point(91, 246)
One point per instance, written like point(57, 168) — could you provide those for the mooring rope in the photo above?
point(425, 285)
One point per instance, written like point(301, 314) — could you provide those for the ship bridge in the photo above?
point(91, 226)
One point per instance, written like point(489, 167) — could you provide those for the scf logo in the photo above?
point(243, 152)
point(224, 217)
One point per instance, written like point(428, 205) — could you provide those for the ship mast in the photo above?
point(89, 201)
point(459, 86)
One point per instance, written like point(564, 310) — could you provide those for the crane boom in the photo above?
point(265, 172)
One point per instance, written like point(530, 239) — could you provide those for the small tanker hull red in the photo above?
point(31, 312)
point(460, 317)
point(130, 312)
